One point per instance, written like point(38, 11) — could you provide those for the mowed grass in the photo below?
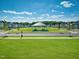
point(39, 49)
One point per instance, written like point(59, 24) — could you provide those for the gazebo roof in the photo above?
point(39, 24)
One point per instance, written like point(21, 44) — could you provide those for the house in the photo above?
point(77, 24)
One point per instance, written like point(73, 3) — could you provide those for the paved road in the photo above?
point(42, 34)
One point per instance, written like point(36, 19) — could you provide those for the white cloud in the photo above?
point(45, 15)
point(53, 10)
point(14, 12)
point(49, 17)
point(62, 12)
point(40, 18)
point(66, 4)
point(56, 16)
point(58, 6)
point(19, 17)
point(72, 14)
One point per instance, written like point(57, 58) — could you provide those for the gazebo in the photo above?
point(39, 24)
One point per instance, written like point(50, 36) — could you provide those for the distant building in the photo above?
point(1, 25)
point(77, 23)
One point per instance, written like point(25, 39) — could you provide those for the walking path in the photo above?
point(40, 34)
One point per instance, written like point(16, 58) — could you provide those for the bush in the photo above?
point(35, 30)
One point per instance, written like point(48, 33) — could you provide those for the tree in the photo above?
point(1, 25)
point(58, 24)
point(50, 23)
point(5, 25)
point(69, 25)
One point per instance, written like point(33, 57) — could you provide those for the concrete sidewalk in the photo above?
point(41, 34)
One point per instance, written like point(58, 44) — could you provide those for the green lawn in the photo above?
point(39, 49)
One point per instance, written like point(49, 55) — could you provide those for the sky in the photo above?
point(39, 10)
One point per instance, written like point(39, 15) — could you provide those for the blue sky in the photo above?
point(39, 10)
